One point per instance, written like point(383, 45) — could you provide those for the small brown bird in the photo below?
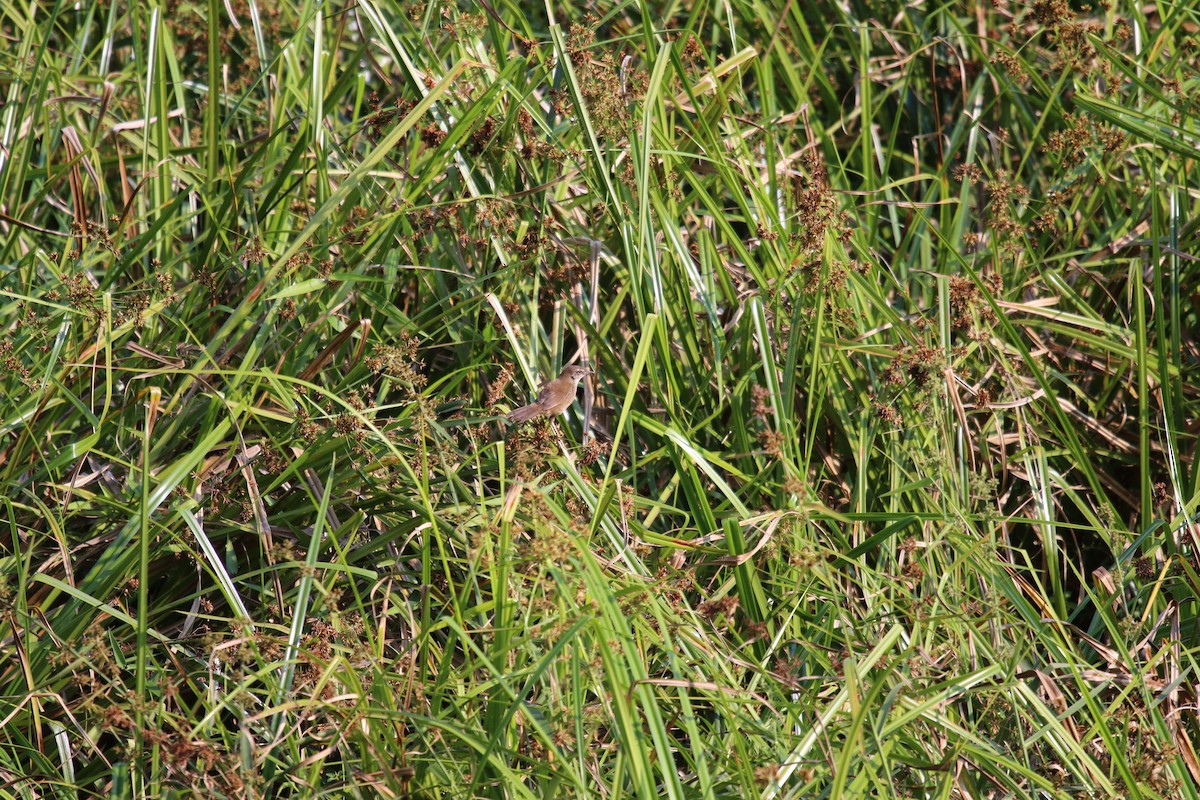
point(554, 397)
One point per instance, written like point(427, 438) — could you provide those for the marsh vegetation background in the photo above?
point(883, 484)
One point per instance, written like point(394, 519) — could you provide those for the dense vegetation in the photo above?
point(882, 485)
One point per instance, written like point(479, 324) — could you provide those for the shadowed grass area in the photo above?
point(882, 485)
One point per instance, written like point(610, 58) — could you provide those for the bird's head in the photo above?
point(575, 372)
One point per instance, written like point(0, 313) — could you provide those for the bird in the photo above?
point(554, 396)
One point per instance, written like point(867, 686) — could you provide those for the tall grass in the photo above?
point(883, 484)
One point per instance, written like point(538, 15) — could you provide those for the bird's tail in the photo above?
point(524, 413)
